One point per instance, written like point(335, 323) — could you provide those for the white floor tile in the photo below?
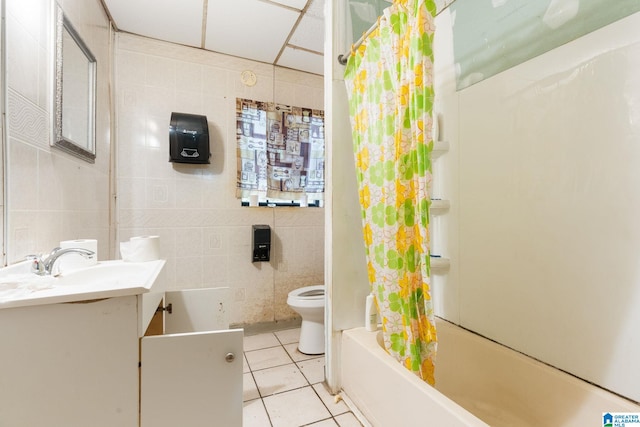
point(295, 408)
point(254, 414)
point(260, 341)
point(249, 388)
point(267, 358)
point(288, 336)
point(313, 370)
point(336, 408)
point(348, 420)
point(279, 379)
point(292, 349)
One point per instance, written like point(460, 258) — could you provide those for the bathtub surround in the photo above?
point(205, 233)
point(389, 80)
point(542, 231)
point(546, 215)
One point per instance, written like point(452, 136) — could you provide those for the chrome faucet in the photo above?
point(44, 266)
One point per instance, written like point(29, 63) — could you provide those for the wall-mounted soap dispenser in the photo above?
point(261, 242)
point(188, 138)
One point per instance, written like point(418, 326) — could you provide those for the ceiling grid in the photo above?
point(288, 33)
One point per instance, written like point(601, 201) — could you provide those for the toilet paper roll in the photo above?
point(73, 261)
point(253, 200)
point(141, 249)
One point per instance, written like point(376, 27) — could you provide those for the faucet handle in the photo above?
point(38, 265)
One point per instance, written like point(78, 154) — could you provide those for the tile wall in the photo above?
point(205, 233)
point(52, 196)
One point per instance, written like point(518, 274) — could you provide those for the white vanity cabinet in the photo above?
point(70, 364)
point(86, 363)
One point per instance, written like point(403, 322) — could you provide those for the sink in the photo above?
point(19, 287)
point(105, 273)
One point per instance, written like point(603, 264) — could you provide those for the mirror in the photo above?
point(75, 92)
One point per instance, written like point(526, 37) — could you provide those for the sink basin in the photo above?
point(19, 287)
point(106, 273)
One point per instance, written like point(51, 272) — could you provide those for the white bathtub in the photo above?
point(478, 383)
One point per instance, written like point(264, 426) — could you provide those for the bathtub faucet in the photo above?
point(44, 266)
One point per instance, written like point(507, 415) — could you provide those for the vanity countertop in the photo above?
point(107, 279)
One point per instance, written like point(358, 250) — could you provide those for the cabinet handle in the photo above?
point(230, 357)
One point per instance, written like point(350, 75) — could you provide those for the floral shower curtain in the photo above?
point(390, 85)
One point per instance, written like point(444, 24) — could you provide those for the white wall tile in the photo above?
point(130, 68)
point(23, 160)
point(67, 196)
point(49, 183)
point(190, 102)
point(189, 242)
point(22, 60)
point(197, 203)
point(160, 72)
point(215, 271)
point(216, 80)
point(189, 271)
point(160, 193)
point(189, 76)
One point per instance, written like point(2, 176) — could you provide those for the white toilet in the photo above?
point(308, 302)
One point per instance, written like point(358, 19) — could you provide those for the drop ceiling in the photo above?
point(288, 33)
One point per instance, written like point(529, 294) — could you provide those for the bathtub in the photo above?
point(478, 383)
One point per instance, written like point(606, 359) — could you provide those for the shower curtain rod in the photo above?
point(343, 58)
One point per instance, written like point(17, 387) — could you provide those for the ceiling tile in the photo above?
point(160, 19)
point(302, 60)
point(248, 28)
point(298, 4)
point(309, 34)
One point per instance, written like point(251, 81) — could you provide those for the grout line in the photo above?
point(325, 405)
point(276, 366)
point(295, 363)
point(266, 412)
point(322, 419)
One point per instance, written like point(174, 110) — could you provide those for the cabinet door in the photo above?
point(193, 377)
point(189, 379)
point(197, 310)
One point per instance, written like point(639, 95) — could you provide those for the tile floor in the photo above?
point(285, 388)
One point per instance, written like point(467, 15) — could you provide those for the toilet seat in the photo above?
point(308, 293)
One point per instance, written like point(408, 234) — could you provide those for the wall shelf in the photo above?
point(439, 206)
point(439, 264)
point(439, 148)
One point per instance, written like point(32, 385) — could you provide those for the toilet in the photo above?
point(308, 302)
